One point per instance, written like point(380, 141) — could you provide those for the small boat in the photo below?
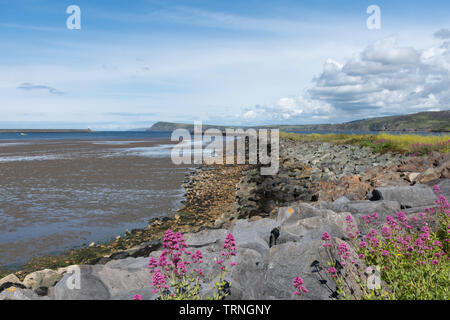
point(23, 134)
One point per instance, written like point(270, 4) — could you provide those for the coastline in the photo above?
point(203, 210)
point(209, 192)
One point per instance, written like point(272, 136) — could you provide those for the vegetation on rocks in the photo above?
point(411, 254)
point(176, 274)
point(405, 143)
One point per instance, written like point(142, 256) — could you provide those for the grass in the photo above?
point(405, 143)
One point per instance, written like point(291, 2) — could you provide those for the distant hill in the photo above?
point(432, 121)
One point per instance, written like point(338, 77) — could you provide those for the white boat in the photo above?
point(23, 134)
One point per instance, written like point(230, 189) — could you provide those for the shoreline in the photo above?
point(196, 213)
point(202, 208)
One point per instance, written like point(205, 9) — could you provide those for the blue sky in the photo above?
point(226, 62)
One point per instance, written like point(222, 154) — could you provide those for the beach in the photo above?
point(57, 194)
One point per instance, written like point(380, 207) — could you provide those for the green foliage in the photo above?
point(407, 143)
point(410, 252)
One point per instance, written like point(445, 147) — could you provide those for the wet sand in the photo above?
point(56, 195)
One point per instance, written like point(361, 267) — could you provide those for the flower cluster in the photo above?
point(420, 149)
point(412, 255)
point(171, 268)
point(299, 286)
point(176, 273)
point(229, 250)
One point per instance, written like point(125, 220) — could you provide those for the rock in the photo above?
point(311, 229)
point(250, 238)
point(341, 200)
point(289, 260)
point(11, 278)
point(143, 250)
point(296, 212)
point(206, 237)
point(44, 278)
point(80, 284)
point(13, 293)
point(262, 228)
point(444, 169)
point(41, 291)
point(248, 277)
point(121, 276)
point(408, 196)
point(428, 175)
point(412, 176)
point(365, 207)
point(444, 185)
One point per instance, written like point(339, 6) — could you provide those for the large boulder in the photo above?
point(80, 283)
point(205, 237)
point(248, 277)
point(298, 229)
point(408, 196)
point(11, 278)
point(289, 260)
point(364, 207)
point(296, 212)
point(42, 279)
point(120, 277)
point(444, 185)
point(254, 235)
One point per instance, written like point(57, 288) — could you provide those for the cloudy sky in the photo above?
point(133, 63)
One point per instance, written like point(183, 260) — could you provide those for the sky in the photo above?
point(236, 62)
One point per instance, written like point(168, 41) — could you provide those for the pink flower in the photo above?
point(325, 236)
point(137, 297)
point(197, 257)
point(332, 271)
point(152, 264)
point(298, 284)
point(159, 281)
point(229, 246)
point(199, 271)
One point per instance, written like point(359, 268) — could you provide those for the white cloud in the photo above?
point(383, 79)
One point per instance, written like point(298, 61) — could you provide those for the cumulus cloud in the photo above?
point(383, 79)
point(288, 109)
point(29, 87)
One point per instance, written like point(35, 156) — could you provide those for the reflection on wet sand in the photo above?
point(56, 195)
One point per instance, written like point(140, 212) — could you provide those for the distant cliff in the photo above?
point(432, 121)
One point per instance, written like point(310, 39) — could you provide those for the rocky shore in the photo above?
point(277, 222)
